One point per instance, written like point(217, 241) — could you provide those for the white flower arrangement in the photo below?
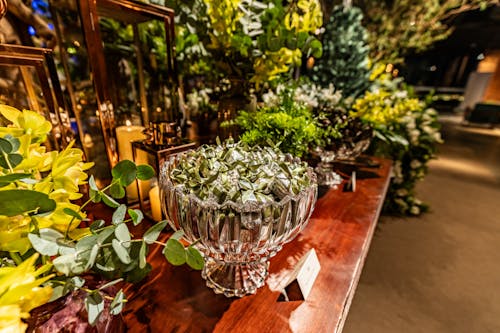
point(306, 93)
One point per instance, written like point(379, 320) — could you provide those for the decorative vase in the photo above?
point(354, 141)
point(324, 169)
point(236, 239)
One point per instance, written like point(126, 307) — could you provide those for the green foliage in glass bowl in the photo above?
point(239, 173)
point(345, 53)
point(289, 125)
point(38, 215)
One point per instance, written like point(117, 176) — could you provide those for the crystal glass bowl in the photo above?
point(345, 149)
point(236, 239)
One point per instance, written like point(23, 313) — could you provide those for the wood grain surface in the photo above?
point(175, 299)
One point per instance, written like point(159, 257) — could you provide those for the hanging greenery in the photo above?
point(345, 53)
point(400, 26)
point(406, 131)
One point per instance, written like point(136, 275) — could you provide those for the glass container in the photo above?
point(236, 239)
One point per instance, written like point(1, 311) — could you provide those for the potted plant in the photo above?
point(281, 122)
point(46, 239)
point(254, 40)
point(240, 204)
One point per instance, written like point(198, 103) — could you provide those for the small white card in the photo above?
point(305, 273)
point(353, 181)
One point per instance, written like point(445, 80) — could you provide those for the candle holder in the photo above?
point(148, 152)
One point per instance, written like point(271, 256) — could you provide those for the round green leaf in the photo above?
point(117, 191)
point(122, 234)
point(92, 184)
point(5, 146)
point(94, 304)
point(117, 304)
point(109, 201)
point(194, 258)
point(14, 142)
point(136, 216)
point(15, 159)
point(152, 234)
point(43, 246)
point(174, 252)
point(145, 172)
point(119, 214)
point(125, 171)
point(121, 251)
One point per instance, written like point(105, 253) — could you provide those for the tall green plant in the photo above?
point(345, 53)
point(257, 40)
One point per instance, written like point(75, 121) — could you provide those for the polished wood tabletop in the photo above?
point(175, 299)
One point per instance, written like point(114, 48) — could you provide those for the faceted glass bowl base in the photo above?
point(235, 279)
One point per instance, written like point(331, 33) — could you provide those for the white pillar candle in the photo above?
point(154, 200)
point(124, 136)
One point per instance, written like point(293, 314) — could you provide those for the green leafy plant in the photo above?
point(407, 131)
point(239, 173)
point(345, 53)
point(37, 215)
point(255, 40)
point(289, 125)
point(403, 26)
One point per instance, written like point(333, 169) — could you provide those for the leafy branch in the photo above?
point(110, 250)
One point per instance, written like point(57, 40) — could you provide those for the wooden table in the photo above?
point(175, 299)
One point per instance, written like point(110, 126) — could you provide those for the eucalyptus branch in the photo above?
point(115, 181)
point(85, 289)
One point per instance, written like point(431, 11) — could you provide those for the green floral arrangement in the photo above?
point(345, 53)
point(322, 104)
point(255, 40)
point(383, 108)
point(289, 125)
point(407, 131)
point(46, 242)
point(239, 173)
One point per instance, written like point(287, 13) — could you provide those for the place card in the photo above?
point(302, 278)
point(350, 186)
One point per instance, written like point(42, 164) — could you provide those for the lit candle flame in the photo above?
point(128, 122)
